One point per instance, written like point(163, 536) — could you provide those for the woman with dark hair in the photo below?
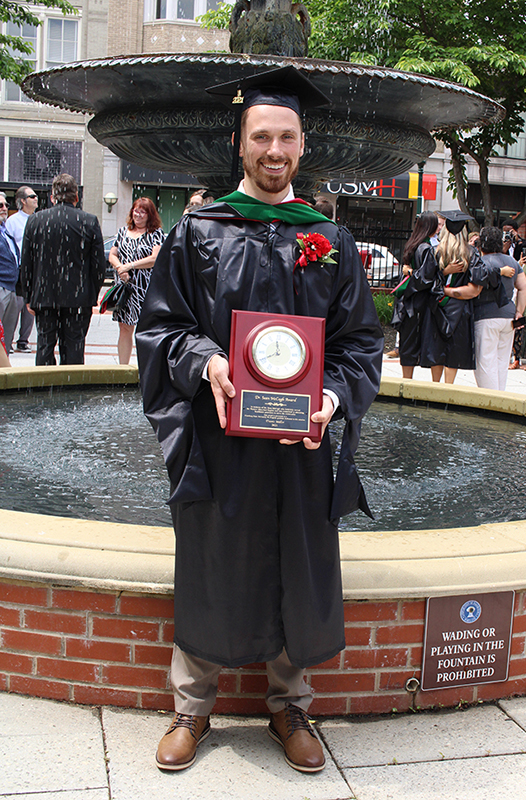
point(132, 257)
point(493, 322)
point(419, 269)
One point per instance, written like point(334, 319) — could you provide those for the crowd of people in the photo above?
point(455, 306)
point(458, 304)
point(52, 267)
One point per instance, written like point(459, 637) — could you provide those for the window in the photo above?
point(186, 10)
point(517, 149)
point(54, 42)
point(39, 160)
point(28, 33)
point(61, 45)
point(160, 9)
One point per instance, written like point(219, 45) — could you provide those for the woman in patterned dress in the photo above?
point(132, 257)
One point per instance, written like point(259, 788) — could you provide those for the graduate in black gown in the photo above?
point(448, 337)
point(419, 274)
point(257, 575)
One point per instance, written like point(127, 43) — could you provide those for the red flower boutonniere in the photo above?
point(314, 247)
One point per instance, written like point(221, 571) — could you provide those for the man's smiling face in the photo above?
point(271, 146)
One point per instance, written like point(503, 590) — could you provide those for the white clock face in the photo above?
point(278, 352)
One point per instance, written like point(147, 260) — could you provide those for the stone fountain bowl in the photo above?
point(154, 111)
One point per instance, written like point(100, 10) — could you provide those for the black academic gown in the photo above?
point(412, 305)
point(257, 557)
point(448, 333)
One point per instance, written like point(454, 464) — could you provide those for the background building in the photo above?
point(154, 26)
point(37, 141)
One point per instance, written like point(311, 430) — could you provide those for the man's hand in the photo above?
point(218, 372)
point(507, 272)
point(324, 416)
point(30, 309)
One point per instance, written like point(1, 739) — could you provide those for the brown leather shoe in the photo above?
point(292, 730)
point(177, 747)
point(515, 365)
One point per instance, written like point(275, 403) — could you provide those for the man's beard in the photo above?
point(271, 184)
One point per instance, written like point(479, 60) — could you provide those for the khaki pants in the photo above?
point(195, 684)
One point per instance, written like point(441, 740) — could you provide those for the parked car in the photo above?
point(108, 244)
point(381, 266)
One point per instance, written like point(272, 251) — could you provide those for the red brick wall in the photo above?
point(114, 649)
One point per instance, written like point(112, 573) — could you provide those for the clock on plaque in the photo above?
point(276, 366)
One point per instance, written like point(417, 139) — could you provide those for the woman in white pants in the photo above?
point(493, 323)
point(494, 310)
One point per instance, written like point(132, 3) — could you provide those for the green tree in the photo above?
point(13, 66)
point(217, 18)
point(477, 43)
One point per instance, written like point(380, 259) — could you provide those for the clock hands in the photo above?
point(277, 353)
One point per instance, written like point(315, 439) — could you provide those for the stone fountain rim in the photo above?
point(308, 64)
point(375, 565)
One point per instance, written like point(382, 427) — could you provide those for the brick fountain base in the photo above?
point(86, 607)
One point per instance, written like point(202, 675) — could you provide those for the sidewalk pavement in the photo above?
point(101, 348)
point(56, 751)
point(101, 344)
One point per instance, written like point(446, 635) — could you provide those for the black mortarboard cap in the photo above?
point(455, 220)
point(285, 86)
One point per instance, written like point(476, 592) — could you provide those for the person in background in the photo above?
point(324, 207)
point(493, 322)
point(447, 329)
point(196, 199)
point(474, 240)
point(512, 244)
point(436, 237)
point(62, 270)
point(419, 270)
point(9, 271)
point(132, 257)
point(26, 201)
point(515, 246)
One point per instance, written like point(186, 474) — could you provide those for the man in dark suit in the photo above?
point(62, 270)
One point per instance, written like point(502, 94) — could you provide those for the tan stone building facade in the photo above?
point(154, 26)
point(37, 141)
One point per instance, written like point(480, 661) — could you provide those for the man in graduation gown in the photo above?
point(257, 574)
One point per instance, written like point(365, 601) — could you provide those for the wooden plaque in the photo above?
point(276, 366)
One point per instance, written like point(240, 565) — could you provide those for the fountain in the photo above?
point(154, 110)
point(87, 606)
